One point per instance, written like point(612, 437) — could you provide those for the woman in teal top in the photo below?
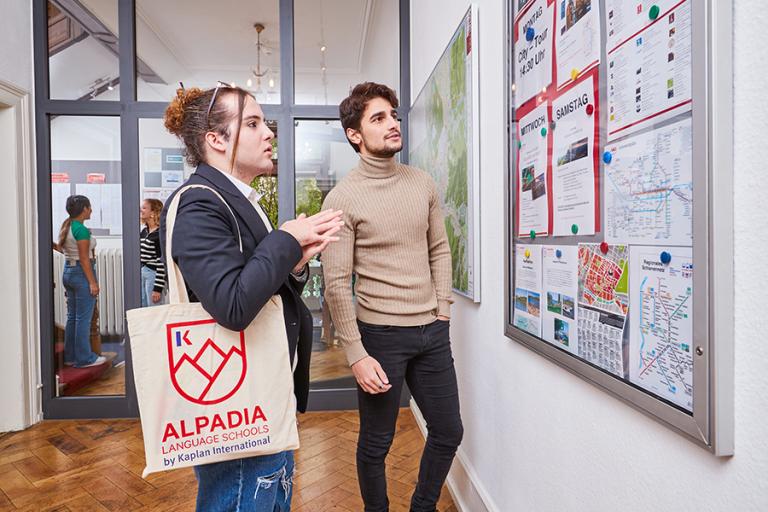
point(80, 284)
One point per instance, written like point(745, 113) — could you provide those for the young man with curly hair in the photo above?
point(394, 241)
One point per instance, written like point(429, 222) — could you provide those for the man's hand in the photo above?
point(371, 376)
point(156, 297)
point(315, 229)
point(443, 318)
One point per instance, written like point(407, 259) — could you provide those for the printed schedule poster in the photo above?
point(533, 173)
point(649, 75)
point(560, 273)
point(661, 341)
point(603, 305)
point(533, 58)
point(627, 17)
point(528, 288)
point(575, 160)
point(649, 187)
point(577, 38)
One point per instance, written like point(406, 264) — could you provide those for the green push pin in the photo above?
point(519, 144)
point(574, 228)
point(544, 132)
point(533, 234)
point(654, 12)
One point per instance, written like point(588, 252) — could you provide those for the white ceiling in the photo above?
point(199, 42)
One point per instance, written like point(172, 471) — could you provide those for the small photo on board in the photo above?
point(561, 332)
point(569, 307)
point(527, 177)
point(554, 305)
point(575, 151)
point(539, 187)
point(572, 11)
point(534, 303)
point(521, 299)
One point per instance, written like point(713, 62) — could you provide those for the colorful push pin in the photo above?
point(574, 228)
point(607, 157)
point(653, 13)
point(530, 34)
point(574, 74)
point(527, 253)
point(544, 131)
point(590, 109)
point(604, 247)
point(519, 144)
point(559, 253)
point(552, 125)
point(665, 257)
point(533, 234)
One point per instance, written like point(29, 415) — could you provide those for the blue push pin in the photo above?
point(530, 34)
point(559, 253)
point(607, 157)
point(665, 257)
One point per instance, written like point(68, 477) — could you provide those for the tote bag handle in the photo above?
point(177, 288)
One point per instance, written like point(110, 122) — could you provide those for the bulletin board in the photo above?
point(617, 220)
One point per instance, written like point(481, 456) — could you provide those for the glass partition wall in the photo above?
point(104, 73)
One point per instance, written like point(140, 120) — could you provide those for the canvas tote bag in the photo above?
point(207, 394)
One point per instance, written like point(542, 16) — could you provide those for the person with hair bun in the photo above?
point(80, 284)
point(227, 139)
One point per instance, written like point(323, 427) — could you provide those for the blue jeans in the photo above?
point(80, 304)
point(253, 484)
point(147, 286)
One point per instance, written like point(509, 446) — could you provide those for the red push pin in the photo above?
point(590, 109)
point(604, 247)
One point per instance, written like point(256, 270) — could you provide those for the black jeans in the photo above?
point(422, 357)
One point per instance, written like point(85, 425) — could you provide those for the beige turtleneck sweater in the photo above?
point(394, 241)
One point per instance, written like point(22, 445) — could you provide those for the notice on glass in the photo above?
point(625, 18)
point(575, 159)
point(533, 58)
point(528, 288)
point(533, 173)
point(649, 187)
point(560, 272)
point(577, 38)
point(602, 339)
point(661, 341)
point(649, 75)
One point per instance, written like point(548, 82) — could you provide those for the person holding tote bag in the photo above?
point(234, 263)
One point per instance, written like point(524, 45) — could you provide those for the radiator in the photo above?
point(109, 273)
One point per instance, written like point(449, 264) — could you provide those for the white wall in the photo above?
point(16, 42)
point(18, 263)
point(540, 439)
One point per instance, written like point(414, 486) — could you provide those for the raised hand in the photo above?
point(318, 228)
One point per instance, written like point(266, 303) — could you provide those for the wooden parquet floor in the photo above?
point(96, 465)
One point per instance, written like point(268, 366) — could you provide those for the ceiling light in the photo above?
point(249, 83)
point(323, 48)
point(271, 82)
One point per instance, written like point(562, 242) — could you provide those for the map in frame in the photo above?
point(444, 141)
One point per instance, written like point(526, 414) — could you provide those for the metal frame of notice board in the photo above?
point(711, 423)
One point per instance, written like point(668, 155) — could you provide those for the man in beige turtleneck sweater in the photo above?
point(394, 242)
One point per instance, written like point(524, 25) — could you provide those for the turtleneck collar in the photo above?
point(377, 168)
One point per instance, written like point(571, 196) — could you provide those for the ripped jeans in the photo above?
point(253, 484)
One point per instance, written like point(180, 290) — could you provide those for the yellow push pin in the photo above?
point(574, 74)
point(527, 253)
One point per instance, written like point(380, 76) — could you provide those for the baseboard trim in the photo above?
point(467, 491)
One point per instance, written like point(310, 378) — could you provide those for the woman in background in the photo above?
point(152, 266)
point(80, 284)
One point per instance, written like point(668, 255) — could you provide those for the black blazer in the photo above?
point(234, 286)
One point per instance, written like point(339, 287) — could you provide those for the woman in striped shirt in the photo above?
point(152, 267)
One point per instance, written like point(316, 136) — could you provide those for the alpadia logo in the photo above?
point(203, 370)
